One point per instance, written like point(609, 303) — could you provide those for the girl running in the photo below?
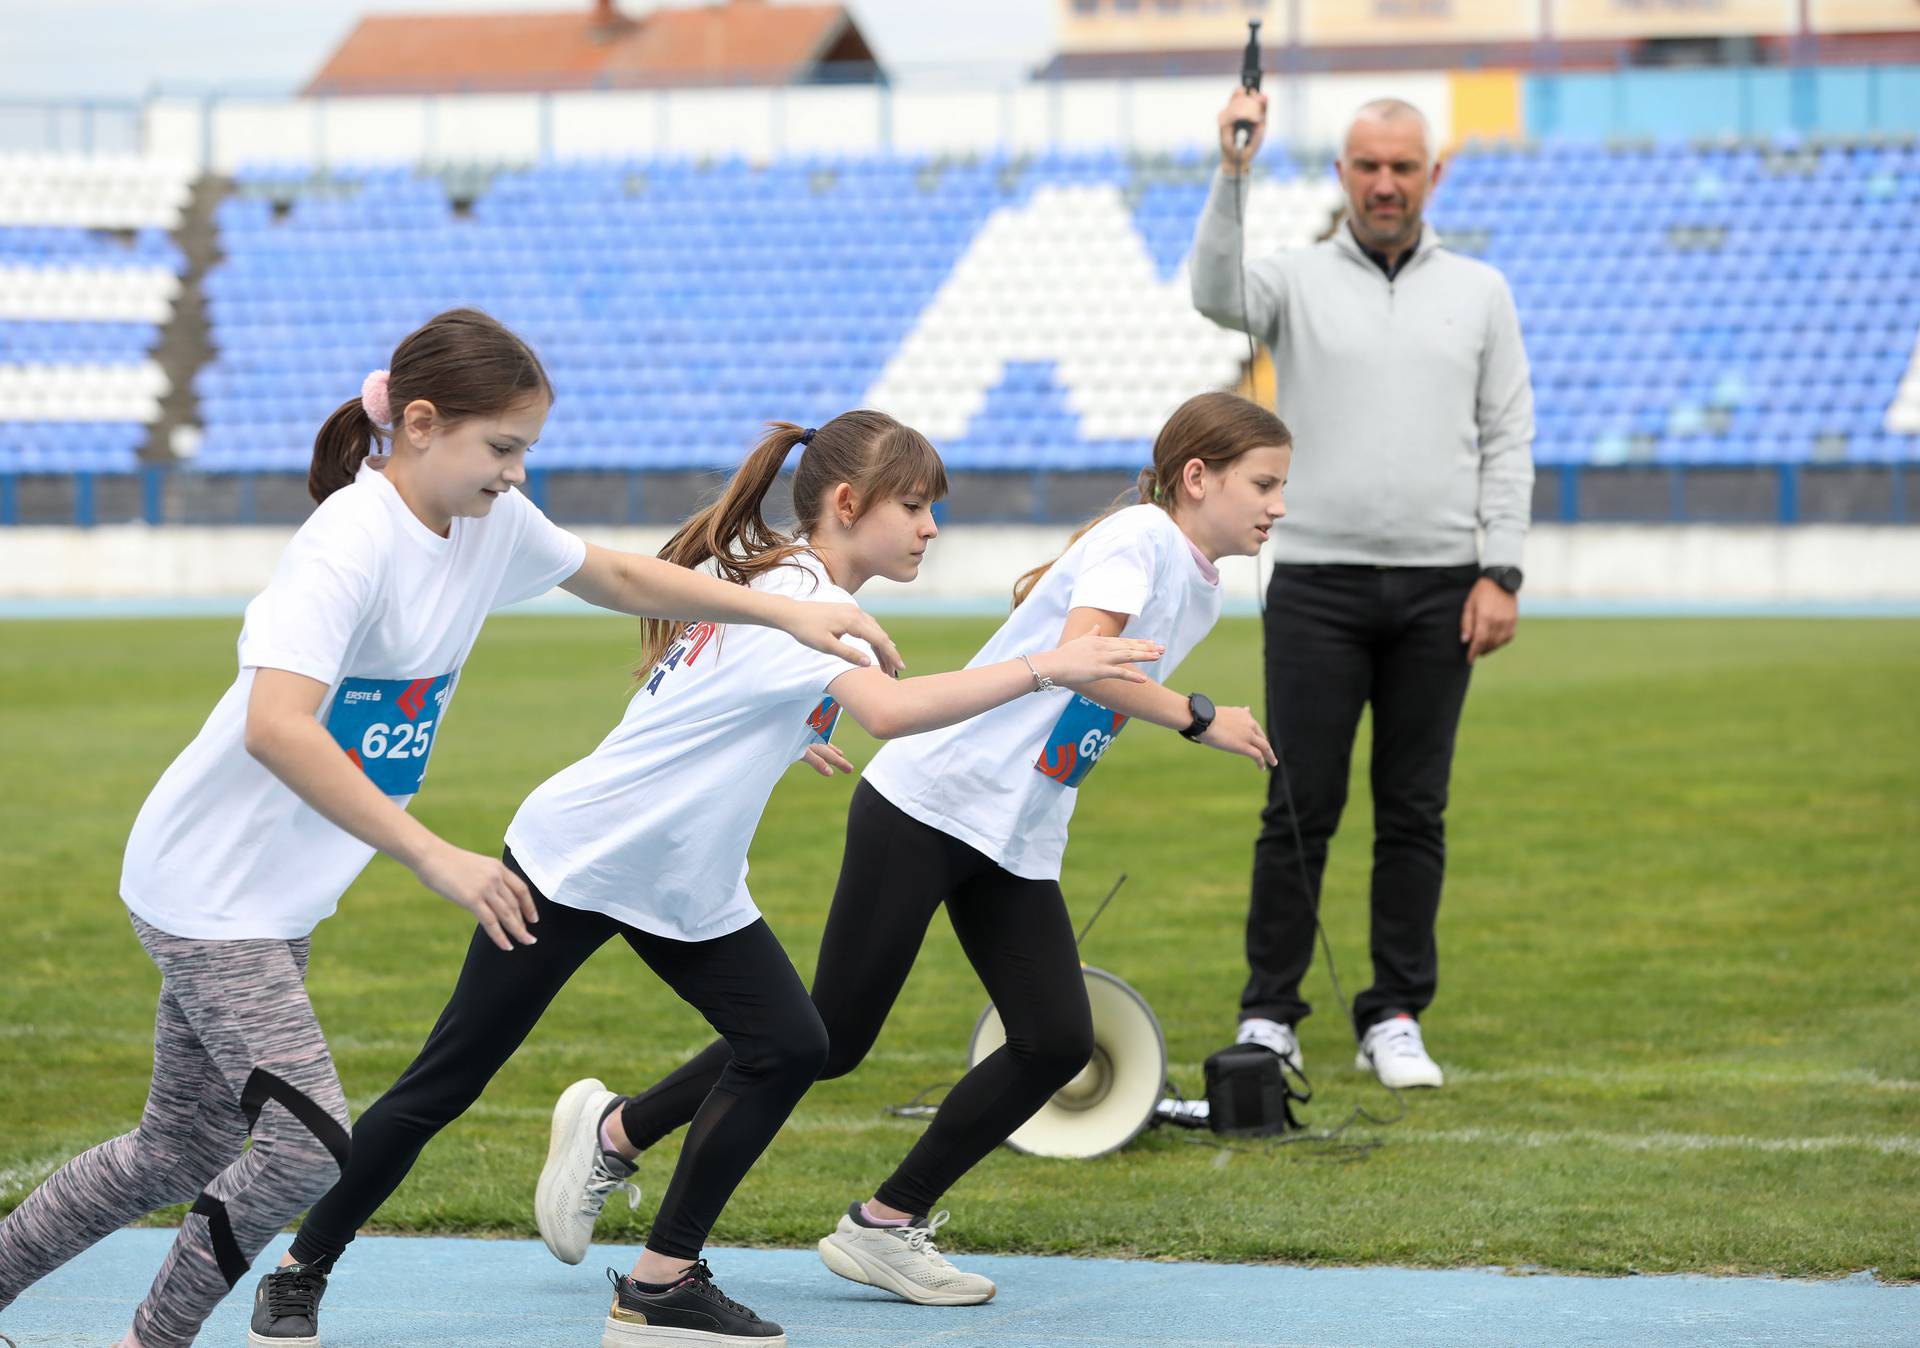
point(975, 817)
point(348, 662)
point(646, 840)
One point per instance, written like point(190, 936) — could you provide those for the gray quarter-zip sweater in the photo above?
point(1409, 399)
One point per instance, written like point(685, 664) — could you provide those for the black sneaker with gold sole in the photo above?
point(691, 1313)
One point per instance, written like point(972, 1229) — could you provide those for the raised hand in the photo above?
point(1243, 106)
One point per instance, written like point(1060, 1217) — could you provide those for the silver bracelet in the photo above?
point(1041, 683)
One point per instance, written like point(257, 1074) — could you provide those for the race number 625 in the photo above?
point(405, 740)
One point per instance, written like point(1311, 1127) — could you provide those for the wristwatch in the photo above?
point(1507, 578)
point(1202, 708)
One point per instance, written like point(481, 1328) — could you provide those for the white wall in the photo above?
point(931, 117)
point(977, 564)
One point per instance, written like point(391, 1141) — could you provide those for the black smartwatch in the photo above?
point(1202, 708)
point(1507, 578)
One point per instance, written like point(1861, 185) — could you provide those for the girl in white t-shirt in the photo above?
point(975, 817)
point(348, 662)
point(646, 840)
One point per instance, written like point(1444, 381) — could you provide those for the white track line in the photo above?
point(1542, 1138)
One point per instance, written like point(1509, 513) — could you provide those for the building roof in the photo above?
point(740, 41)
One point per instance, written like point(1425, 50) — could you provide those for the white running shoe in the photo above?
point(1393, 1050)
point(902, 1260)
point(1272, 1034)
point(578, 1176)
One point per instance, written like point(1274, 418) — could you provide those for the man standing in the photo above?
point(1399, 368)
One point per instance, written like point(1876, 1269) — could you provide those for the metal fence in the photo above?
point(1772, 494)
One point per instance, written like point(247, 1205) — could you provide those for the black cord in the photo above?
point(1246, 323)
point(919, 1107)
point(1081, 939)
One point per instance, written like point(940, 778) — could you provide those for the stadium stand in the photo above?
point(89, 274)
point(1702, 304)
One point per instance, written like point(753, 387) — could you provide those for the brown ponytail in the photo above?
point(1215, 428)
point(876, 455)
point(466, 363)
point(343, 444)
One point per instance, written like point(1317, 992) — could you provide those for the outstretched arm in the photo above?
point(284, 735)
point(887, 709)
point(1233, 731)
point(646, 587)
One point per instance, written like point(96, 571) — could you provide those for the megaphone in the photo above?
point(1113, 1099)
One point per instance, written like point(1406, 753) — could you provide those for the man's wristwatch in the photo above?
point(1201, 706)
point(1507, 578)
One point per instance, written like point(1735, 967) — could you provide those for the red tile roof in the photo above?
point(783, 41)
point(746, 41)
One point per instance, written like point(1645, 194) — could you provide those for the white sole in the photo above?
point(1362, 1063)
point(620, 1334)
point(255, 1341)
point(566, 1116)
point(853, 1269)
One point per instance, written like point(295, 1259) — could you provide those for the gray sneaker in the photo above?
point(286, 1308)
point(578, 1176)
point(902, 1260)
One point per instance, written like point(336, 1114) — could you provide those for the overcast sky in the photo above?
point(123, 48)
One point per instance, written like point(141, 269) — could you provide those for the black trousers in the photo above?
point(772, 1048)
point(1340, 638)
point(895, 875)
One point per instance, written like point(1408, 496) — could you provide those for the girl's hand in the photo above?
point(1235, 731)
point(1091, 659)
point(826, 760)
point(821, 626)
point(483, 886)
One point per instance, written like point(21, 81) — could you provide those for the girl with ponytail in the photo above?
point(974, 817)
point(348, 664)
point(645, 840)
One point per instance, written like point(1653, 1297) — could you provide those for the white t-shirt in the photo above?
point(652, 827)
point(369, 601)
point(1005, 781)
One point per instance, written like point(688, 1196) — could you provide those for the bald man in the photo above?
point(1400, 371)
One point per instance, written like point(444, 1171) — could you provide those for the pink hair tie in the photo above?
point(374, 397)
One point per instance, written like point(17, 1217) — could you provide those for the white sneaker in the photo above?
point(1392, 1049)
point(902, 1260)
point(1272, 1034)
point(578, 1175)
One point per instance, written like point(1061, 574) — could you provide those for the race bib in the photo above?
point(387, 727)
point(1077, 741)
point(822, 719)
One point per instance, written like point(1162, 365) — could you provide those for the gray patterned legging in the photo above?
point(236, 1051)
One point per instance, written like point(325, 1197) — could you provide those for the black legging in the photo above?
point(772, 1048)
point(1017, 935)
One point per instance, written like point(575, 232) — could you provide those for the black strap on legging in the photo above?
point(226, 1250)
point(262, 1086)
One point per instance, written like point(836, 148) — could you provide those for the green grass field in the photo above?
point(1679, 946)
